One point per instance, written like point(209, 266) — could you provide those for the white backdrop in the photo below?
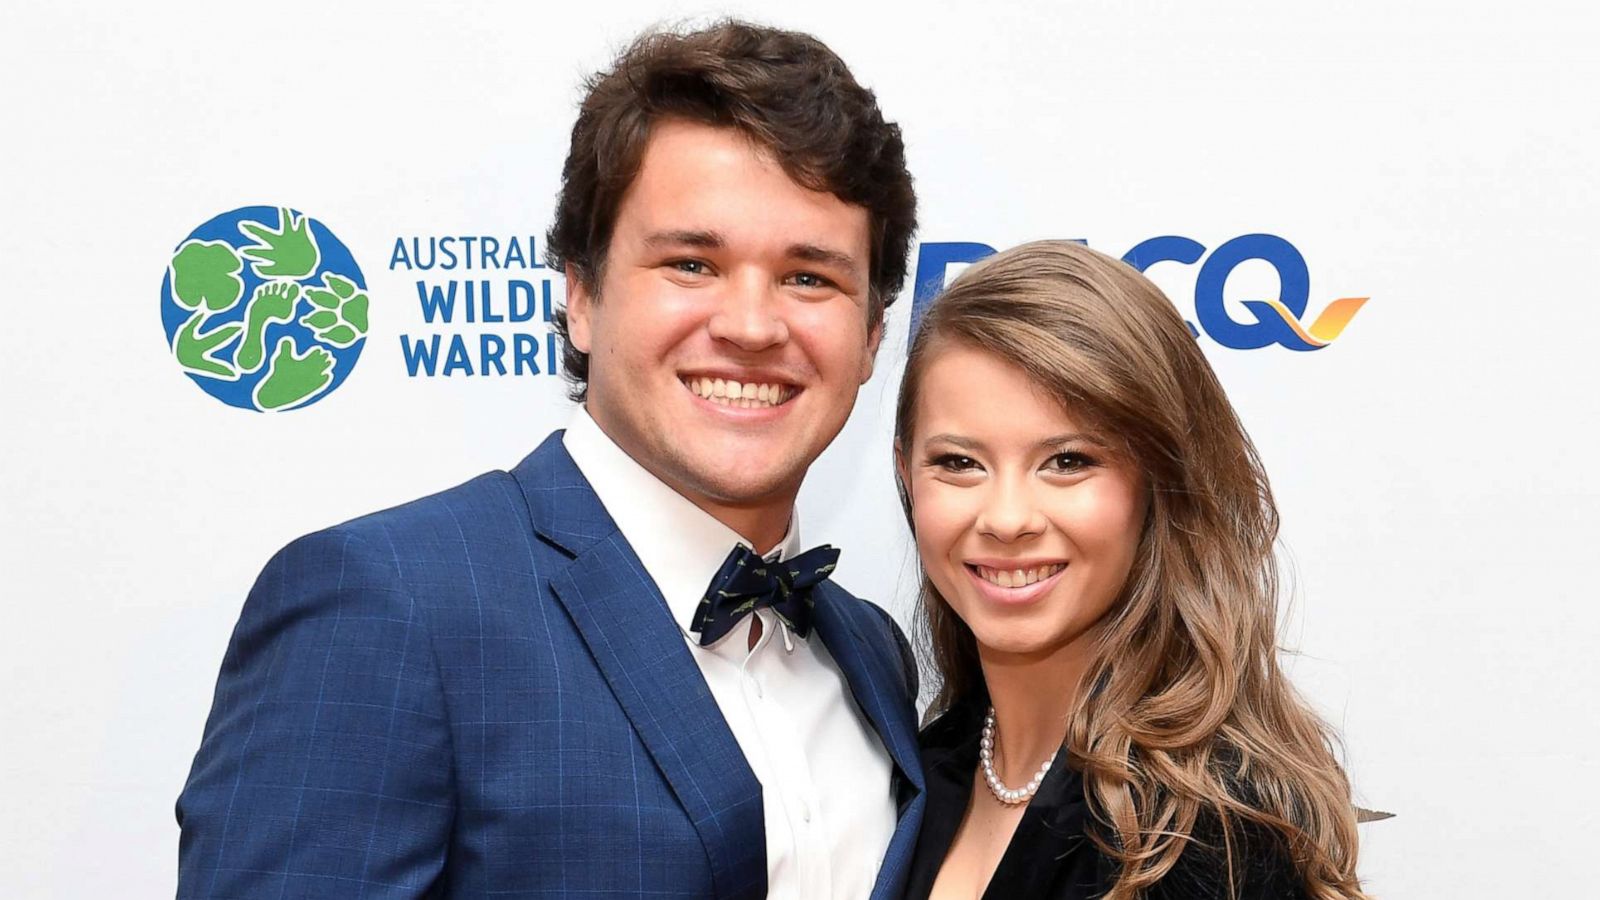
point(1434, 465)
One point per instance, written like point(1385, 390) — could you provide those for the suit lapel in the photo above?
point(641, 653)
point(876, 684)
point(879, 690)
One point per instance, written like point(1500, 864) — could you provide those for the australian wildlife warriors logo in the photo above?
point(264, 308)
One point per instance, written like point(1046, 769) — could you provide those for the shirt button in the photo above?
point(755, 686)
point(805, 812)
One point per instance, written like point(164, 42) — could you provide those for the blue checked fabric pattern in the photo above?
point(481, 694)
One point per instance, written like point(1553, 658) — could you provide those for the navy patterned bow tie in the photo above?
point(746, 583)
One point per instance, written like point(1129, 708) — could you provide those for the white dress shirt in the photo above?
point(824, 773)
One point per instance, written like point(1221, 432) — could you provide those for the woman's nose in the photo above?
point(1009, 512)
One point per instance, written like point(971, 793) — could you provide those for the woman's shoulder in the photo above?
point(955, 726)
point(1260, 866)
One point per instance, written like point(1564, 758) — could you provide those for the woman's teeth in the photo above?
point(1008, 578)
point(744, 396)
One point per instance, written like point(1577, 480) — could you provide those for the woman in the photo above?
point(1096, 533)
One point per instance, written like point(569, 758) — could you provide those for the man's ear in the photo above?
point(579, 303)
point(874, 338)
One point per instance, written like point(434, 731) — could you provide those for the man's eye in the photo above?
point(809, 280)
point(689, 266)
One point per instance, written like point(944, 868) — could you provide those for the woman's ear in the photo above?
point(901, 470)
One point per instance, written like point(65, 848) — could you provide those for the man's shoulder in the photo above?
point(486, 521)
point(882, 631)
point(489, 502)
point(493, 505)
point(860, 608)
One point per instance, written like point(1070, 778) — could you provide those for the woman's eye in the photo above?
point(1070, 462)
point(951, 462)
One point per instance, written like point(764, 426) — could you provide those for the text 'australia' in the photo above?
point(476, 325)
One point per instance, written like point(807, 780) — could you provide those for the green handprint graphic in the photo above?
point(194, 349)
point(206, 272)
point(263, 308)
point(340, 316)
point(287, 252)
point(272, 302)
point(294, 379)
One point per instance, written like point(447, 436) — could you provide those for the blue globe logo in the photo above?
point(264, 308)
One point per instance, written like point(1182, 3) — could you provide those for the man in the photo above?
point(551, 681)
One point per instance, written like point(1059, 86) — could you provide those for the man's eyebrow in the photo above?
point(708, 240)
point(826, 256)
point(712, 240)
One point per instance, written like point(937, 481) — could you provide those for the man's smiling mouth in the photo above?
point(744, 395)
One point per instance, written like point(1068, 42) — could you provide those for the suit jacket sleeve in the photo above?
point(907, 658)
point(325, 770)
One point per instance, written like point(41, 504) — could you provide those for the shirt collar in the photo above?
point(681, 545)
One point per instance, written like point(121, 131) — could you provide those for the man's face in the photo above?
point(723, 275)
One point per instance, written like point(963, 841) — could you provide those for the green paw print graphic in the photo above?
point(286, 252)
point(264, 308)
point(206, 273)
point(272, 302)
point(340, 314)
point(292, 380)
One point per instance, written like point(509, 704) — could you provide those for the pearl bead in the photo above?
point(986, 756)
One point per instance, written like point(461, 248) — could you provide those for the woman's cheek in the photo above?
point(942, 515)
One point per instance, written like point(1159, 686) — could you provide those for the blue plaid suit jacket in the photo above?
point(482, 694)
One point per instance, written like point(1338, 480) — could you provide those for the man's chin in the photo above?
point(734, 482)
point(749, 491)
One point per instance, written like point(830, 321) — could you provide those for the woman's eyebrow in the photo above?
point(1073, 438)
point(961, 441)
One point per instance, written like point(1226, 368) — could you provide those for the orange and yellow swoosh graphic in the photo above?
point(1329, 325)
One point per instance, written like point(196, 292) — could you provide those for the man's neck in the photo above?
point(762, 521)
point(763, 526)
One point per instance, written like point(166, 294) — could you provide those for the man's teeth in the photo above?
point(1017, 577)
point(743, 395)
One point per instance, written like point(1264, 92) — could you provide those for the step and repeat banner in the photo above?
point(275, 266)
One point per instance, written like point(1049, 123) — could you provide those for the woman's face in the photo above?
point(1026, 523)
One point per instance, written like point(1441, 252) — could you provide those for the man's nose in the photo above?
point(749, 314)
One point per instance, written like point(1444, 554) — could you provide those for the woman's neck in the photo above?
point(1032, 697)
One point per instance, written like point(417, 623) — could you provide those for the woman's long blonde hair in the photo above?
point(1187, 710)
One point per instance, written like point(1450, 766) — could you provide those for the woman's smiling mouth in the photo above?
point(1012, 584)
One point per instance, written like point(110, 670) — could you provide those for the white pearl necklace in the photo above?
point(1002, 793)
